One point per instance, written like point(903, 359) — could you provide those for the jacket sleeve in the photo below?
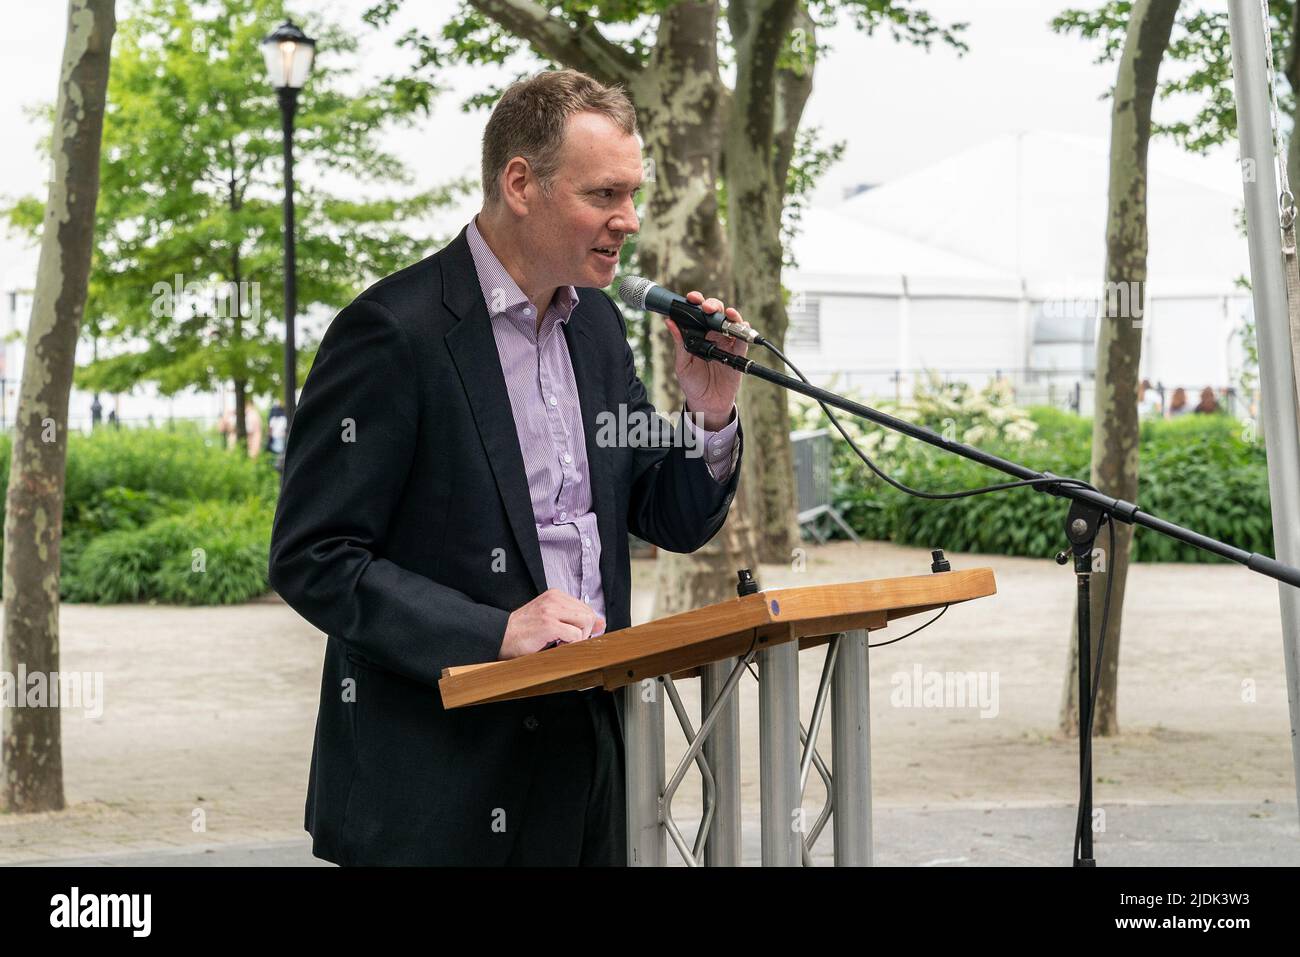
point(350, 448)
point(675, 502)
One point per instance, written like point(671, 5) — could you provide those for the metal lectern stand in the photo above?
point(717, 644)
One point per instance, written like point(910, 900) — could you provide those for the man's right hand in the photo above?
point(552, 615)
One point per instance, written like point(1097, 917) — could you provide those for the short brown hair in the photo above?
point(530, 121)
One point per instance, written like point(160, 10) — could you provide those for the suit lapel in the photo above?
point(474, 350)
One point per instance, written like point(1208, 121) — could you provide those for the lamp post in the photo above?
point(289, 53)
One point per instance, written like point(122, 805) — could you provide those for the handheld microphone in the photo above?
point(643, 294)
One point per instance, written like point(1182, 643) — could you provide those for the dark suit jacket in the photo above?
point(403, 482)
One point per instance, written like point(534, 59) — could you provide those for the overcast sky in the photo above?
point(898, 107)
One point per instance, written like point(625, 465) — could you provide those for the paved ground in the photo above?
point(208, 714)
point(1184, 835)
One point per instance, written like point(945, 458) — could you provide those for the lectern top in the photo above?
point(682, 643)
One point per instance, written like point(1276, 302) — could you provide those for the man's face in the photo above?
point(590, 205)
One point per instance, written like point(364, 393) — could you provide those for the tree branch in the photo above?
point(758, 31)
point(793, 87)
point(584, 49)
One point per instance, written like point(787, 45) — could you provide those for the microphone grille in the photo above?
point(632, 290)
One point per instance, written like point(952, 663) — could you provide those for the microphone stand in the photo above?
point(1089, 511)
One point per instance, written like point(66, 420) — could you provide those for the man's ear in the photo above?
point(516, 179)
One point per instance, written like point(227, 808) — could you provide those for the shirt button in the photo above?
point(567, 458)
point(586, 543)
point(564, 515)
point(553, 401)
point(530, 723)
point(586, 598)
point(527, 311)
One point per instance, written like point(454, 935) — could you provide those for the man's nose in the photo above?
point(626, 221)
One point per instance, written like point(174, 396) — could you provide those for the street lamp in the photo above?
point(288, 53)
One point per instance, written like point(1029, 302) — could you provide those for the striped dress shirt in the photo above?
point(544, 400)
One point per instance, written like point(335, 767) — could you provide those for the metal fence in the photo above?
point(1072, 390)
point(812, 481)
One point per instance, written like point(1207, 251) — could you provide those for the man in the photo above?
point(447, 500)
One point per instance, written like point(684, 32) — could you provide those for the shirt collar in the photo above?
point(500, 292)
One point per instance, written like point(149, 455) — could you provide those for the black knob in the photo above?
point(940, 564)
point(745, 584)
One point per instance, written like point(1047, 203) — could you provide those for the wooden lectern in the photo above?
point(717, 643)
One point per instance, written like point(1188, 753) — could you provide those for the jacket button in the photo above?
point(530, 723)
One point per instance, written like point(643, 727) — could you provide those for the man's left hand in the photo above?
point(709, 387)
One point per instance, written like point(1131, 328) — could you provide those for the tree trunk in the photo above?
point(682, 246)
point(241, 425)
point(1119, 343)
point(32, 749)
point(241, 384)
point(235, 304)
point(764, 111)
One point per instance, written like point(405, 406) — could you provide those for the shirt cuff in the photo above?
point(719, 447)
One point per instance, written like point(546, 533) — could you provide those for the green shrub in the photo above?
point(185, 463)
point(115, 567)
point(139, 501)
point(1197, 471)
point(213, 553)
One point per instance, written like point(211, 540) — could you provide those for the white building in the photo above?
point(992, 261)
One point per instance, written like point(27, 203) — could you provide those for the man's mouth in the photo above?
point(608, 252)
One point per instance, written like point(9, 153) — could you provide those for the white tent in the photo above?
point(992, 260)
